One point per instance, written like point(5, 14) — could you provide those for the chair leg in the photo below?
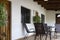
point(50, 35)
point(55, 34)
point(25, 38)
point(46, 36)
point(40, 36)
point(35, 37)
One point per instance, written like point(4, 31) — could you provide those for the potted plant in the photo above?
point(2, 15)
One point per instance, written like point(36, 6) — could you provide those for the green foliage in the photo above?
point(36, 19)
point(2, 15)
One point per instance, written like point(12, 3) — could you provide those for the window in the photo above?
point(25, 15)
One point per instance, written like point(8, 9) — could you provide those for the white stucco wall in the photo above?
point(51, 17)
point(16, 27)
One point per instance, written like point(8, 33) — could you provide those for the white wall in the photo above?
point(17, 31)
point(51, 17)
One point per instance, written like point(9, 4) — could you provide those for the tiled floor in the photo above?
point(32, 38)
point(43, 38)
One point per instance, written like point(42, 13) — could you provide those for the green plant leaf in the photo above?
point(2, 15)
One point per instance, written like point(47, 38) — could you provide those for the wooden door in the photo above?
point(5, 32)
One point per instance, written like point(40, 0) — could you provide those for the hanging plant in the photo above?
point(2, 15)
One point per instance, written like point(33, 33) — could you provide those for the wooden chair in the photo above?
point(42, 30)
point(39, 30)
point(47, 31)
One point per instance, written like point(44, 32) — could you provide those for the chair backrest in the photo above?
point(45, 27)
point(57, 26)
point(29, 28)
point(39, 28)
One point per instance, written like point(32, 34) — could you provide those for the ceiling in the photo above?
point(50, 4)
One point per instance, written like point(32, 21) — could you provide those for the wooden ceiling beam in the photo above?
point(53, 0)
point(50, 4)
point(38, 0)
point(52, 9)
point(47, 2)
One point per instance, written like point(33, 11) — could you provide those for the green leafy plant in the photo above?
point(2, 15)
point(36, 19)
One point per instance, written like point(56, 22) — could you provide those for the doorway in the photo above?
point(5, 32)
point(58, 18)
